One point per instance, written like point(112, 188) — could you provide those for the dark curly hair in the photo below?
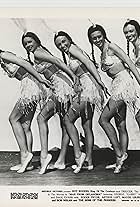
point(62, 33)
point(92, 29)
point(37, 40)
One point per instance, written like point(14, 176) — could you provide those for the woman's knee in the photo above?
point(67, 120)
point(87, 126)
point(137, 117)
point(122, 127)
point(103, 121)
point(84, 126)
point(26, 126)
point(12, 119)
point(41, 119)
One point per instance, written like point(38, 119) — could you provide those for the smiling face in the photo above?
point(62, 43)
point(130, 33)
point(97, 39)
point(30, 44)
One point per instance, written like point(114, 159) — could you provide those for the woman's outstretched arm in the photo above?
point(12, 58)
point(44, 56)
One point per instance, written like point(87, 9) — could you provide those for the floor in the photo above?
point(98, 176)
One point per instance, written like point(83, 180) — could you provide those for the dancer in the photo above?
point(52, 68)
point(23, 112)
point(131, 31)
point(123, 92)
point(89, 96)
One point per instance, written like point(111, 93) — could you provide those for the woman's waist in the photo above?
point(122, 73)
point(84, 75)
point(46, 68)
point(88, 79)
point(49, 71)
point(113, 72)
point(15, 71)
point(112, 67)
point(61, 76)
point(21, 73)
point(79, 70)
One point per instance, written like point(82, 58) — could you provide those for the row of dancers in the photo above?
point(73, 88)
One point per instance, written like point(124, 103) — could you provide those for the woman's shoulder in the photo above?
point(114, 48)
point(74, 47)
point(42, 52)
point(138, 46)
point(38, 50)
point(112, 45)
point(77, 51)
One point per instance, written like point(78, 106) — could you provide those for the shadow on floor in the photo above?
point(97, 176)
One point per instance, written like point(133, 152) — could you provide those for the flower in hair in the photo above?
point(25, 32)
point(93, 24)
point(56, 33)
point(20, 23)
point(128, 20)
point(48, 27)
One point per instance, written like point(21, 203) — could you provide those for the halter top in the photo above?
point(75, 64)
point(46, 68)
point(109, 61)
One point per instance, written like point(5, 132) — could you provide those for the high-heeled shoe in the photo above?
point(113, 166)
point(110, 167)
point(86, 166)
point(79, 162)
point(17, 167)
point(25, 163)
point(45, 164)
point(59, 166)
point(120, 162)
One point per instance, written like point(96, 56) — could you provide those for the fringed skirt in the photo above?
point(123, 88)
point(90, 92)
point(32, 92)
point(62, 91)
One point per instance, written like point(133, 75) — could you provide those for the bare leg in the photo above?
point(19, 133)
point(87, 126)
point(120, 120)
point(42, 119)
point(137, 117)
point(110, 110)
point(29, 135)
point(26, 124)
point(70, 118)
point(60, 163)
point(72, 115)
